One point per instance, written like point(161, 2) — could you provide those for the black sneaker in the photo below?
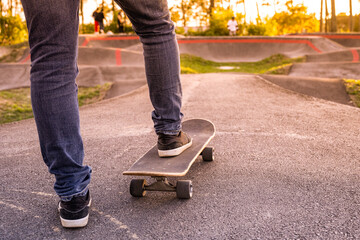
point(75, 213)
point(173, 145)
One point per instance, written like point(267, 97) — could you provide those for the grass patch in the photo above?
point(353, 89)
point(15, 104)
point(193, 64)
point(91, 95)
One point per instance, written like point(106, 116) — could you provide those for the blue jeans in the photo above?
point(53, 37)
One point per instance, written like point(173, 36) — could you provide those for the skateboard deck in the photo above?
point(201, 131)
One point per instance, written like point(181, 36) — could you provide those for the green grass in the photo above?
point(353, 89)
point(15, 104)
point(273, 64)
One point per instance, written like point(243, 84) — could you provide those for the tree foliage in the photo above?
point(12, 30)
point(294, 20)
point(219, 20)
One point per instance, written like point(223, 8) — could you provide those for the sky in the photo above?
point(251, 11)
point(313, 7)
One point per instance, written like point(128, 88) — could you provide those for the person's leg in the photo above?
point(101, 27)
point(151, 21)
point(53, 35)
point(96, 26)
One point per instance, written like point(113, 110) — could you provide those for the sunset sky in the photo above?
point(313, 7)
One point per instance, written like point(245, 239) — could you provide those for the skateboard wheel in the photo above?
point(137, 187)
point(208, 154)
point(184, 189)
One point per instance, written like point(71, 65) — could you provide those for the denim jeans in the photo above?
point(53, 37)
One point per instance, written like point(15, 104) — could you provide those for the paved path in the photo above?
point(287, 167)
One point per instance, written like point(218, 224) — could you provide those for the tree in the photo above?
point(211, 8)
point(321, 15)
point(219, 20)
point(351, 17)
point(81, 13)
point(326, 16)
point(274, 3)
point(333, 17)
point(294, 20)
point(188, 10)
point(12, 30)
point(242, 2)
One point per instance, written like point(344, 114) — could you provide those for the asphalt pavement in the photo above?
point(286, 167)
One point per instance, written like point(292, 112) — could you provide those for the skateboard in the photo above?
point(201, 131)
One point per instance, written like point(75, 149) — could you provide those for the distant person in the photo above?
point(100, 19)
point(54, 46)
point(96, 23)
point(232, 26)
point(120, 22)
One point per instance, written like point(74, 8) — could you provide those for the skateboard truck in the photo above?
point(183, 188)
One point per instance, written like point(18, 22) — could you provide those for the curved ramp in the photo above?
point(250, 49)
point(345, 39)
point(13, 75)
point(99, 56)
point(108, 41)
point(350, 55)
point(18, 75)
point(331, 89)
point(119, 58)
point(349, 70)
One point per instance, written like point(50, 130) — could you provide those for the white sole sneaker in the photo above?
point(74, 223)
point(82, 222)
point(174, 152)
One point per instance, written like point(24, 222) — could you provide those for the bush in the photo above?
point(87, 28)
point(113, 27)
point(218, 22)
point(12, 30)
point(256, 29)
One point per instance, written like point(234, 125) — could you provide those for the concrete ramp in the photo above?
point(349, 70)
point(345, 39)
point(14, 75)
point(4, 51)
point(18, 75)
point(331, 89)
point(108, 41)
point(250, 49)
point(350, 55)
point(109, 57)
point(94, 75)
point(119, 59)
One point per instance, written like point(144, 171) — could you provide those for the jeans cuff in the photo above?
point(80, 194)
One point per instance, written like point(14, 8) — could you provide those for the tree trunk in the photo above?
point(82, 15)
point(10, 5)
point(275, 6)
point(326, 16)
point(333, 17)
point(212, 5)
point(244, 12)
point(183, 13)
point(351, 17)
point(113, 10)
point(321, 15)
